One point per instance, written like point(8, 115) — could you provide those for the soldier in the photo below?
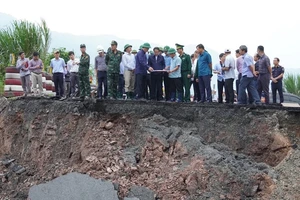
point(186, 71)
point(84, 82)
point(113, 59)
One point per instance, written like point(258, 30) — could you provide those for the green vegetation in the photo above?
point(292, 84)
point(22, 36)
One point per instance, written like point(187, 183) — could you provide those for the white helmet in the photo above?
point(100, 49)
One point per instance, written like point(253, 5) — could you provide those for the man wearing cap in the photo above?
point(73, 67)
point(186, 71)
point(175, 76)
point(128, 61)
point(204, 73)
point(141, 70)
point(84, 82)
point(157, 62)
point(229, 75)
point(101, 72)
point(134, 52)
point(113, 59)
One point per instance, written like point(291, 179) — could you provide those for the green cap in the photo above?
point(146, 45)
point(126, 46)
point(113, 43)
point(171, 51)
point(151, 52)
point(141, 47)
point(133, 51)
point(82, 46)
point(166, 48)
point(179, 46)
point(161, 49)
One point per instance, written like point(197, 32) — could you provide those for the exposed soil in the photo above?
point(179, 151)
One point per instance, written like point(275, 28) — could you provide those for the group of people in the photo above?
point(160, 75)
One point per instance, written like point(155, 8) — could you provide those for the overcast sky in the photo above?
point(218, 24)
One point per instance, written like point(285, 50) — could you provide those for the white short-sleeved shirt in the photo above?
point(229, 62)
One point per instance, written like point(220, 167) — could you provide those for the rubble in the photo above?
point(158, 150)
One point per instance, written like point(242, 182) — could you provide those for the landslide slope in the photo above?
point(179, 151)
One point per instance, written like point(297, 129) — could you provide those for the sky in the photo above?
point(217, 24)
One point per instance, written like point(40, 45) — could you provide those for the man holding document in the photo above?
point(157, 62)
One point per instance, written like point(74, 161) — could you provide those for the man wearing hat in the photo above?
point(229, 75)
point(101, 72)
point(157, 62)
point(84, 82)
point(128, 61)
point(186, 71)
point(113, 59)
point(166, 75)
point(134, 52)
point(141, 70)
point(175, 76)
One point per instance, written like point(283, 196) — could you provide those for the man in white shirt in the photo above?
point(128, 61)
point(229, 76)
point(72, 67)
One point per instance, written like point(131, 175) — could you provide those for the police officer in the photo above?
point(186, 71)
point(84, 82)
point(277, 75)
point(113, 59)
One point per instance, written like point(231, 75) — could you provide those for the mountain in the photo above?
point(72, 42)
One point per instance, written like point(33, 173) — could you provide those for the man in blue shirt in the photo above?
point(58, 68)
point(247, 80)
point(141, 70)
point(204, 73)
point(175, 76)
point(221, 80)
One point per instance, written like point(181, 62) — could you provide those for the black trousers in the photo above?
point(141, 80)
point(58, 79)
point(176, 87)
point(237, 83)
point(263, 83)
point(167, 87)
point(221, 85)
point(156, 86)
point(102, 83)
point(277, 87)
point(197, 96)
point(229, 90)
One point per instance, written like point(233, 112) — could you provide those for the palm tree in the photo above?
point(292, 84)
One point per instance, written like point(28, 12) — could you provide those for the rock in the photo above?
point(279, 142)
point(109, 125)
point(113, 142)
point(141, 193)
point(133, 198)
point(109, 170)
point(91, 159)
point(74, 186)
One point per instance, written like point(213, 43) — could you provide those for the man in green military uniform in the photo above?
point(113, 59)
point(84, 81)
point(186, 71)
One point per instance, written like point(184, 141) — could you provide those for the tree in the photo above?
point(22, 36)
point(292, 84)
